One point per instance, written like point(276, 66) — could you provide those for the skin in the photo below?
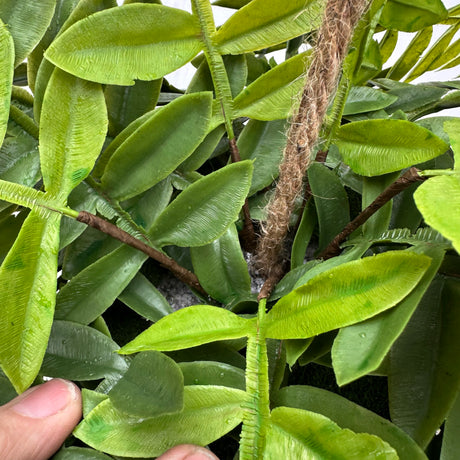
point(35, 424)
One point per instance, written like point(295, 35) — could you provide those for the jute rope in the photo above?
point(339, 20)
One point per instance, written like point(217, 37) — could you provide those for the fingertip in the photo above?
point(188, 452)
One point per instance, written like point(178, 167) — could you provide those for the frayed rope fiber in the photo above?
point(339, 20)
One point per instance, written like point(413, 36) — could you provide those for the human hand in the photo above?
point(35, 424)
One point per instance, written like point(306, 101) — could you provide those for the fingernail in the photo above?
point(47, 399)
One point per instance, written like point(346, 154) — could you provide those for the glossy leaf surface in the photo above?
point(345, 295)
point(190, 327)
point(73, 125)
point(153, 385)
point(103, 47)
point(203, 211)
point(296, 433)
point(208, 414)
point(28, 277)
point(158, 146)
point(375, 147)
point(263, 23)
point(6, 76)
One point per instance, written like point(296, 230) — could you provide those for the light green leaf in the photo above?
point(296, 434)
point(410, 16)
point(345, 295)
point(24, 196)
point(73, 125)
point(436, 199)
point(104, 48)
point(263, 23)
point(270, 96)
point(348, 415)
point(27, 22)
point(6, 76)
point(375, 147)
point(153, 385)
point(28, 280)
point(450, 439)
point(190, 327)
point(205, 209)
point(452, 128)
point(361, 348)
point(209, 413)
point(158, 146)
point(77, 352)
point(213, 373)
point(364, 99)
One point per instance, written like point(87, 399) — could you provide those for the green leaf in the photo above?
point(213, 373)
point(6, 76)
point(73, 125)
point(408, 16)
point(28, 277)
point(27, 22)
point(209, 413)
point(203, 211)
point(24, 196)
point(388, 44)
point(190, 327)
point(77, 352)
point(80, 453)
point(349, 415)
point(263, 23)
point(221, 268)
point(450, 439)
point(364, 99)
point(103, 47)
point(296, 433)
point(270, 96)
point(424, 375)
point(153, 385)
point(435, 199)
point(303, 235)
point(345, 295)
point(158, 146)
point(452, 128)
point(375, 147)
point(415, 97)
point(361, 348)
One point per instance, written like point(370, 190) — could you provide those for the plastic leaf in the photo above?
point(6, 76)
point(436, 199)
point(364, 99)
point(23, 196)
point(213, 373)
point(153, 385)
point(27, 22)
point(28, 277)
point(452, 128)
point(263, 23)
point(77, 352)
point(345, 295)
point(209, 413)
point(205, 209)
point(118, 45)
point(450, 439)
point(73, 125)
point(296, 433)
point(80, 453)
point(374, 147)
point(158, 146)
point(349, 415)
point(190, 327)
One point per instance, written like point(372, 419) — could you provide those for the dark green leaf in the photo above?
point(213, 373)
point(415, 97)
point(303, 235)
point(450, 440)
point(6, 76)
point(80, 453)
point(364, 99)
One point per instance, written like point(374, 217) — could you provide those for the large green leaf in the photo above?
point(77, 352)
point(190, 327)
point(27, 22)
point(73, 125)
point(452, 128)
point(263, 23)
point(213, 373)
point(450, 439)
point(345, 295)
point(438, 199)
point(6, 76)
point(209, 413)
point(349, 415)
point(158, 146)
point(364, 99)
point(270, 96)
point(28, 280)
point(361, 348)
point(153, 385)
point(205, 209)
point(411, 16)
point(374, 147)
point(119, 45)
point(296, 433)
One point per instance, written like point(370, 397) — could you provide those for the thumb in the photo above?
point(36, 423)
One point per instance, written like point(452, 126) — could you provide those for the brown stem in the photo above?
point(181, 273)
point(407, 179)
